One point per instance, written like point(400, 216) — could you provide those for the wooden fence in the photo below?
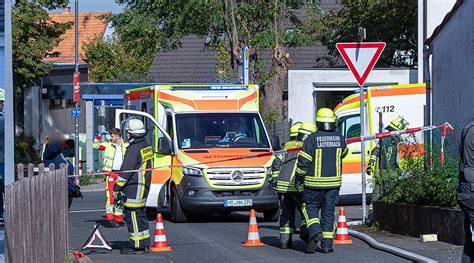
point(36, 222)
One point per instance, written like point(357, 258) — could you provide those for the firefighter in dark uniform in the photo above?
point(319, 170)
point(135, 186)
point(387, 149)
point(283, 173)
point(465, 195)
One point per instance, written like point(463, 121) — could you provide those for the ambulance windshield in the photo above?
point(220, 130)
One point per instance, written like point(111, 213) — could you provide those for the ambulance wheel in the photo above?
point(271, 215)
point(177, 213)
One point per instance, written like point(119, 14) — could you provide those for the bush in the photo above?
point(88, 180)
point(24, 150)
point(433, 188)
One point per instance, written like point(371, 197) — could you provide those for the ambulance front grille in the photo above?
point(249, 176)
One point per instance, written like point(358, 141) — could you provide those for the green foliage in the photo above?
point(434, 188)
point(393, 22)
point(141, 31)
point(24, 151)
point(110, 62)
point(223, 67)
point(34, 36)
point(271, 118)
point(88, 180)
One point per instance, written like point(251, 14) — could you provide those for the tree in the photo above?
point(148, 27)
point(260, 25)
point(34, 36)
point(127, 55)
point(393, 22)
point(140, 32)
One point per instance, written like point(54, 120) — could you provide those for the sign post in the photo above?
point(245, 65)
point(76, 82)
point(361, 59)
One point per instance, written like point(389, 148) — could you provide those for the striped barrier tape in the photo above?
point(446, 126)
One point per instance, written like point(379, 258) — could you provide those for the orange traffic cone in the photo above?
point(160, 244)
point(253, 239)
point(342, 234)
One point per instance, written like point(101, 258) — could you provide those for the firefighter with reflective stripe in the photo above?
point(387, 149)
point(114, 151)
point(387, 146)
point(134, 183)
point(283, 172)
point(319, 169)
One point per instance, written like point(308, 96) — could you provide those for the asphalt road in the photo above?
point(212, 239)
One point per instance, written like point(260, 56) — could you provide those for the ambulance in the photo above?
point(389, 103)
point(211, 149)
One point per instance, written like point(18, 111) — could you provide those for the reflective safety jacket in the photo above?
point(135, 184)
point(320, 161)
point(283, 168)
point(109, 152)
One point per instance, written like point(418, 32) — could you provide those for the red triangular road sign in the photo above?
point(360, 57)
point(104, 245)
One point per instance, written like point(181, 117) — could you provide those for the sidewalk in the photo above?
point(440, 251)
point(93, 187)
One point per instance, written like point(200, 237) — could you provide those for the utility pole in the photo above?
point(76, 81)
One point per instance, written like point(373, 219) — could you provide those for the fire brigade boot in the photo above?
point(325, 246)
point(288, 244)
point(313, 243)
point(111, 224)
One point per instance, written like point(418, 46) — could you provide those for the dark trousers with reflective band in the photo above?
point(137, 224)
point(324, 202)
point(290, 202)
point(468, 250)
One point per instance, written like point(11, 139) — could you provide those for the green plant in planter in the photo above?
point(413, 186)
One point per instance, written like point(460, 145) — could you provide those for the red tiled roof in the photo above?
point(91, 26)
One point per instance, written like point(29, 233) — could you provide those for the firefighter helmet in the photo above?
point(397, 124)
point(294, 129)
point(135, 127)
point(305, 130)
point(325, 119)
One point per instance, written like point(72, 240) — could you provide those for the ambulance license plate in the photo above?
point(243, 202)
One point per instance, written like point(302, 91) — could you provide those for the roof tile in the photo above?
point(91, 26)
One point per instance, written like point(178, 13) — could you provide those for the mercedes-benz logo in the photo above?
point(237, 176)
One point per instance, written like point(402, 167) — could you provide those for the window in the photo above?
point(220, 130)
point(349, 126)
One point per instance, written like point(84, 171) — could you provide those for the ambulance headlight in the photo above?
point(192, 171)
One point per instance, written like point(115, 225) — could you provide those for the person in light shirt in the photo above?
point(114, 151)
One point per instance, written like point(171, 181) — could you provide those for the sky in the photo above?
point(96, 5)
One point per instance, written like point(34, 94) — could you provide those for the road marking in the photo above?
point(86, 211)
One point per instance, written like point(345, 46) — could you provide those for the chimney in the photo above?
point(67, 10)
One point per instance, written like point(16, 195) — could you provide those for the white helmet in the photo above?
point(135, 126)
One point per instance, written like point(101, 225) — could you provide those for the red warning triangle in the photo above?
point(361, 57)
point(96, 235)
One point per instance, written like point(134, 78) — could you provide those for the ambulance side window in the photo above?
point(350, 126)
point(169, 124)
